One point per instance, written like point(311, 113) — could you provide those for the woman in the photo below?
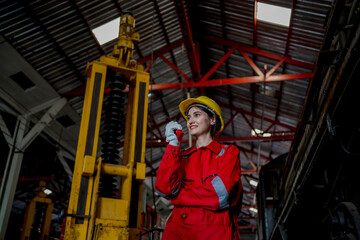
point(203, 182)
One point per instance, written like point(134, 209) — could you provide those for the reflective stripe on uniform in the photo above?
point(221, 152)
point(161, 194)
point(176, 189)
point(174, 192)
point(221, 191)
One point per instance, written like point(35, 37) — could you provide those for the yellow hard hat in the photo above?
point(184, 105)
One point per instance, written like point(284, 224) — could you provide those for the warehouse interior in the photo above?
point(287, 90)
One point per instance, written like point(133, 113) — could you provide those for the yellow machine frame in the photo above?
point(90, 216)
point(41, 197)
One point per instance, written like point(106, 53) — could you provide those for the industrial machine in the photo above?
point(313, 191)
point(38, 216)
point(106, 193)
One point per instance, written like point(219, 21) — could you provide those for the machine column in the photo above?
point(82, 185)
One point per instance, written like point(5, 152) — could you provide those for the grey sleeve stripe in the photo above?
point(221, 191)
point(221, 152)
point(173, 192)
point(176, 189)
point(162, 195)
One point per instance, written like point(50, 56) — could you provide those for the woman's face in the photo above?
point(199, 122)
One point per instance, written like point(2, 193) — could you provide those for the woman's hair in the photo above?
point(210, 113)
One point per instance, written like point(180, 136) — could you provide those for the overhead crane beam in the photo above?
point(229, 81)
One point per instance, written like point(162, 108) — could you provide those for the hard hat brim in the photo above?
point(184, 105)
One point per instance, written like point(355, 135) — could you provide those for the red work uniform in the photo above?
point(204, 186)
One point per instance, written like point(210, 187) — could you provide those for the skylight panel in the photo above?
point(273, 14)
point(108, 31)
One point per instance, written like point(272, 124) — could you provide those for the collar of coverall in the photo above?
point(213, 146)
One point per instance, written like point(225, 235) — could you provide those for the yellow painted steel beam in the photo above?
point(46, 223)
point(82, 186)
point(29, 218)
point(113, 169)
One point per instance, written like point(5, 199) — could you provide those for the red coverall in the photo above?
point(204, 186)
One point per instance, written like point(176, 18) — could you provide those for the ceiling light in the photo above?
point(267, 135)
point(273, 14)
point(253, 209)
point(253, 182)
point(47, 191)
point(256, 132)
point(108, 31)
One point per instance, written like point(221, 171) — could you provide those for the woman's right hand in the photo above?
point(170, 133)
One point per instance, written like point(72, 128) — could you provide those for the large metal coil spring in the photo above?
point(114, 127)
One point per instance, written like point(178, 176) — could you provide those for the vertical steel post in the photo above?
point(11, 175)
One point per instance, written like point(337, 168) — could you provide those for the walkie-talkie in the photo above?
point(179, 134)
